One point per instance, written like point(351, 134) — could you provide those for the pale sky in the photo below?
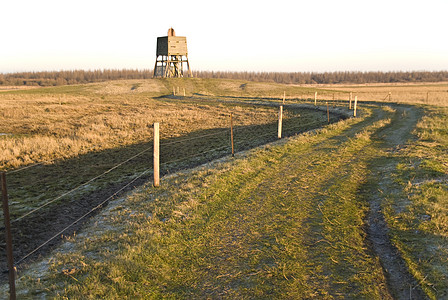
point(284, 36)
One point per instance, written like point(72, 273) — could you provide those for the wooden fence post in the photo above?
point(231, 135)
point(328, 113)
point(184, 92)
point(390, 96)
point(174, 91)
point(8, 238)
point(156, 155)
point(284, 96)
point(356, 104)
point(350, 101)
point(280, 121)
point(315, 98)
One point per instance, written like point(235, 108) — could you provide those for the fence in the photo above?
point(196, 148)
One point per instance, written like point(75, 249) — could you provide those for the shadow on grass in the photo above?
point(35, 186)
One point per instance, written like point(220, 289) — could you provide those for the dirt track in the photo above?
point(392, 137)
point(401, 284)
point(31, 232)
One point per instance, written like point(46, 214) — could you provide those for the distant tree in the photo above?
point(61, 81)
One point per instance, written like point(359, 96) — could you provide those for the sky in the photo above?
point(262, 36)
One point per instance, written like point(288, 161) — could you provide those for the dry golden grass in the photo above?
point(330, 213)
point(59, 123)
point(5, 88)
point(44, 130)
point(431, 94)
point(62, 122)
point(120, 87)
point(248, 228)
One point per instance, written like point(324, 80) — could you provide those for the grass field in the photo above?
point(47, 124)
point(292, 219)
point(69, 148)
point(418, 214)
point(95, 127)
point(431, 94)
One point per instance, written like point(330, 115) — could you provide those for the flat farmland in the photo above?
point(66, 149)
point(417, 93)
point(352, 209)
point(47, 124)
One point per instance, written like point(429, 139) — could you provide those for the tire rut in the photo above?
point(401, 283)
point(29, 235)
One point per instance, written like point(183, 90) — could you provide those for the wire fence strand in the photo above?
point(37, 164)
point(28, 167)
point(79, 186)
point(285, 128)
point(238, 130)
point(168, 143)
point(80, 218)
point(195, 155)
point(195, 138)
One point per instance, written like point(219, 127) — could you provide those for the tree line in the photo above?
point(55, 78)
point(330, 77)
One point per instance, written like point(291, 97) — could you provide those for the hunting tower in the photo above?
point(171, 56)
